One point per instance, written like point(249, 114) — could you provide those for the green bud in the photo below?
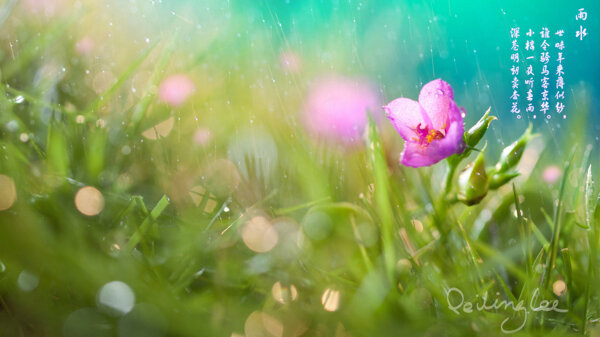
point(473, 182)
point(511, 155)
point(474, 135)
point(496, 180)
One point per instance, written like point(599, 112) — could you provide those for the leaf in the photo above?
point(379, 171)
point(106, 95)
point(56, 151)
point(589, 199)
point(150, 220)
point(556, 228)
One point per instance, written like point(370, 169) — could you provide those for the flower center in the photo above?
point(426, 135)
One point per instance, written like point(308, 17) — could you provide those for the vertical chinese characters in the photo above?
point(529, 81)
point(581, 16)
point(544, 60)
point(540, 65)
point(560, 82)
point(514, 57)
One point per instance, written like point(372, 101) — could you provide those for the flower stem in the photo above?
point(449, 175)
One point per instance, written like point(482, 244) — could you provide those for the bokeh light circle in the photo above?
point(89, 201)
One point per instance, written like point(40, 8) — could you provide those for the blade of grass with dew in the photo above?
point(505, 287)
point(359, 241)
point(525, 242)
point(34, 100)
point(7, 107)
point(150, 220)
point(568, 273)
point(379, 172)
point(140, 108)
point(539, 235)
point(35, 46)
point(475, 258)
point(6, 10)
point(590, 220)
point(108, 93)
point(309, 204)
point(95, 152)
point(556, 226)
point(56, 150)
point(531, 280)
point(501, 259)
point(342, 206)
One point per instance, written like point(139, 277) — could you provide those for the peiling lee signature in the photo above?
point(456, 303)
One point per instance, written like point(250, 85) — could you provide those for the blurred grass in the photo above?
point(352, 222)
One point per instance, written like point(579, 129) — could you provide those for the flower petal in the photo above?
point(406, 115)
point(438, 86)
point(436, 98)
point(416, 155)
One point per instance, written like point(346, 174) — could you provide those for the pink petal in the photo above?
point(416, 155)
point(436, 98)
point(406, 115)
point(439, 87)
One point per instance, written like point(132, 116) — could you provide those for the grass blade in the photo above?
point(382, 204)
point(106, 95)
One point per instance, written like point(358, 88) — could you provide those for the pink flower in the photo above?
point(176, 89)
point(432, 127)
point(551, 174)
point(336, 108)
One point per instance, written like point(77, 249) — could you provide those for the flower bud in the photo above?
point(496, 180)
point(474, 135)
point(473, 182)
point(512, 154)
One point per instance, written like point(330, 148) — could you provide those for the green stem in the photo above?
point(449, 176)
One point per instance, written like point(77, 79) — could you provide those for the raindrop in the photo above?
point(12, 126)
point(117, 297)
point(28, 281)
point(19, 99)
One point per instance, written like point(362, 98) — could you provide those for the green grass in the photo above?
point(389, 239)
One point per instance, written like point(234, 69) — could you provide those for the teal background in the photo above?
point(400, 45)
